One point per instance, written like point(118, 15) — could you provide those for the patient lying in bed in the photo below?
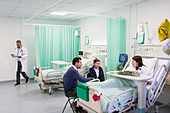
point(138, 66)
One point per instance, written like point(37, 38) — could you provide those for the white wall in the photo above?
point(12, 29)
point(151, 11)
point(95, 28)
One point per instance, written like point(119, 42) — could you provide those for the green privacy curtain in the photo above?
point(116, 42)
point(55, 43)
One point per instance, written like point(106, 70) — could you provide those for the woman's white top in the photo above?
point(141, 70)
point(97, 72)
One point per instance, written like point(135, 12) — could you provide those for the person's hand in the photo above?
point(12, 55)
point(147, 82)
point(20, 56)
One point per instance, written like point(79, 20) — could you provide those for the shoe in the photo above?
point(73, 105)
point(27, 79)
point(16, 84)
point(80, 110)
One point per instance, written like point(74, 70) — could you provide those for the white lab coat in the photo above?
point(23, 52)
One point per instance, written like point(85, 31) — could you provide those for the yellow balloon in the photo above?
point(164, 30)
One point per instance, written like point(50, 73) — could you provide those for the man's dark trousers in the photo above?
point(19, 69)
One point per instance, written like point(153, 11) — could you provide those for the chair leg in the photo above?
point(71, 106)
point(65, 105)
point(74, 100)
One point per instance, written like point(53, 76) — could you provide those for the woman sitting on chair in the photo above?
point(96, 71)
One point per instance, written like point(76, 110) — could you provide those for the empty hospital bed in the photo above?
point(48, 78)
point(125, 97)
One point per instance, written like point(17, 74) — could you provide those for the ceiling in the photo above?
point(28, 8)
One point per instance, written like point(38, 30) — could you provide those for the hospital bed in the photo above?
point(125, 98)
point(48, 78)
point(126, 94)
point(159, 80)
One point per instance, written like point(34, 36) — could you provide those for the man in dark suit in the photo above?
point(96, 71)
point(71, 76)
point(70, 81)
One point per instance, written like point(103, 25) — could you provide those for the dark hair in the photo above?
point(76, 60)
point(96, 60)
point(139, 60)
point(18, 41)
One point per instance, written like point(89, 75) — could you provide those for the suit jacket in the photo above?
point(92, 73)
point(70, 79)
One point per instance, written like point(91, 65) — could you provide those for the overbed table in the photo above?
point(57, 63)
point(141, 88)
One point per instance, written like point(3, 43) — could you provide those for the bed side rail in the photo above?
point(157, 85)
point(126, 65)
point(94, 80)
point(45, 68)
point(58, 75)
point(40, 71)
point(125, 107)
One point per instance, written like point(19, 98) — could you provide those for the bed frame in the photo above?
point(153, 94)
point(157, 86)
point(44, 84)
point(96, 106)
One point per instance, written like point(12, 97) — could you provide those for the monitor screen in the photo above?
point(123, 58)
point(80, 52)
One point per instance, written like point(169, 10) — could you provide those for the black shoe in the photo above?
point(16, 84)
point(27, 79)
point(80, 110)
point(73, 105)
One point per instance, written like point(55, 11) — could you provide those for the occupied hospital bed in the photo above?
point(125, 98)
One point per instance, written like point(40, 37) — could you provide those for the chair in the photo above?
point(69, 98)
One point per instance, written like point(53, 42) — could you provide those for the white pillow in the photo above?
point(150, 63)
point(85, 62)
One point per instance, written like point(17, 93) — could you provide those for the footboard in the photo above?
point(126, 106)
point(91, 106)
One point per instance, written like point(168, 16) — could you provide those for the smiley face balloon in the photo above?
point(166, 46)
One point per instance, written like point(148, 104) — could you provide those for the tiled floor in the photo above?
point(27, 98)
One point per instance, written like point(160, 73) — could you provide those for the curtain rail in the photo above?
point(33, 24)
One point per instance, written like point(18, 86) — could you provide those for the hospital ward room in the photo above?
point(85, 56)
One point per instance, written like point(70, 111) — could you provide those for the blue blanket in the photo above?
point(110, 88)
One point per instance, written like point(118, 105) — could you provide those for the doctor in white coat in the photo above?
point(21, 62)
